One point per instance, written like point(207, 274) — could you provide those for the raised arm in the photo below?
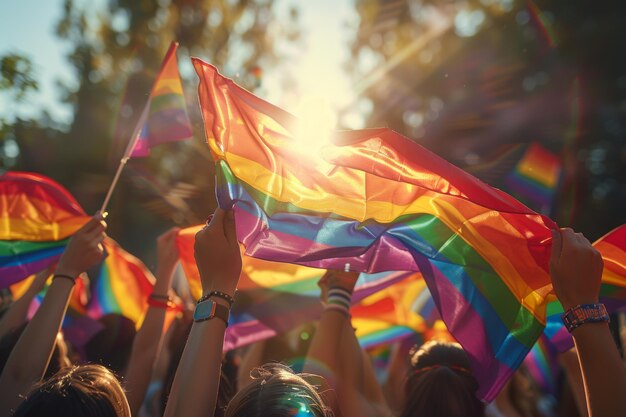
point(335, 352)
point(30, 356)
point(576, 269)
point(16, 314)
point(194, 391)
point(148, 340)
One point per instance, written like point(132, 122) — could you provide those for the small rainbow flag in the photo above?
point(164, 118)
point(378, 201)
point(37, 216)
point(535, 178)
point(122, 286)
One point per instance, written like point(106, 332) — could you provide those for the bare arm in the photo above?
point(335, 353)
point(576, 270)
point(16, 314)
point(194, 391)
point(250, 360)
point(30, 356)
point(148, 340)
point(569, 362)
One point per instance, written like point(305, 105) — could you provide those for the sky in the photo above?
point(27, 27)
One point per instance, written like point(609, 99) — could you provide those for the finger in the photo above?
point(230, 228)
point(557, 245)
point(96, 232)
point(568, 239)
point(91, 224)
point(217, 222)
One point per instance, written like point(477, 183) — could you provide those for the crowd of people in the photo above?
point(184, 371)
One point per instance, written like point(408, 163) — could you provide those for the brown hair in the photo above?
point(78, 391)
point(277, 392)
point(440, 383)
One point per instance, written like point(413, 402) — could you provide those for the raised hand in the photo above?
point(167, 257)
point(217, 253)
point(84, 248)
point(576, 268)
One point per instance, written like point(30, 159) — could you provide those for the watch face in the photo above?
point(204, 310)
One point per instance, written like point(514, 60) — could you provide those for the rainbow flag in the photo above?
point(398, 311)
point(535, 178)
point(164, 118)
point(378, 201)
point(273, 297)
point(122, 286)
point(37, 217)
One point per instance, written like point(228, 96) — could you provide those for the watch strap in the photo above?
point(584, 313)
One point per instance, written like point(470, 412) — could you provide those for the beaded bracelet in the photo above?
point(229, 299)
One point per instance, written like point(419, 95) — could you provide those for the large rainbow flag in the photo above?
point(164, 118)
point(378, 201)
point(273, 297)
point(37, 217)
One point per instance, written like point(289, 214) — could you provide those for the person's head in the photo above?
point(440, 383)
point(78, 391)
point(277, 392)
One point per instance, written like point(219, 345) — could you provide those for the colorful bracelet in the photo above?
point(339, 299)
point(584, 313)
point(73, 279)
point(160, 301)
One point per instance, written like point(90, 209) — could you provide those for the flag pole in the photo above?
point(126, 157)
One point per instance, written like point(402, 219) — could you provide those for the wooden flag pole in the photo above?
point(126, 157)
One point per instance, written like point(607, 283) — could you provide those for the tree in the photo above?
point(467, 78)
point(116, 53)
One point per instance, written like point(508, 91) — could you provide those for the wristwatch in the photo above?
point(208, 309)
point(584, 313)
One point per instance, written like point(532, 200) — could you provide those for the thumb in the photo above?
point(557, 245)
point(230, 229)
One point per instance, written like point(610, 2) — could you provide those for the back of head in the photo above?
point(111, 346)
point(79, 391)
point(277, 392)
point(440, 383)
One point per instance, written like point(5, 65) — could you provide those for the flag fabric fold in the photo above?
point(378, 201)
point(164, 118)
point(273, 297)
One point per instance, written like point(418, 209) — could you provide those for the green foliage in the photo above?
point(116, 52)
point(16, 75)
point(467, 79)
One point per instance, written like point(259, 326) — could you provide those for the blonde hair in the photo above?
point(77, 391)
point(277, 391)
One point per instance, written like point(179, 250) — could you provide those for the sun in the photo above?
point(316, 123)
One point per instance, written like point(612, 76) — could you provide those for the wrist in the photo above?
point(67, 271)
point(571, 303)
